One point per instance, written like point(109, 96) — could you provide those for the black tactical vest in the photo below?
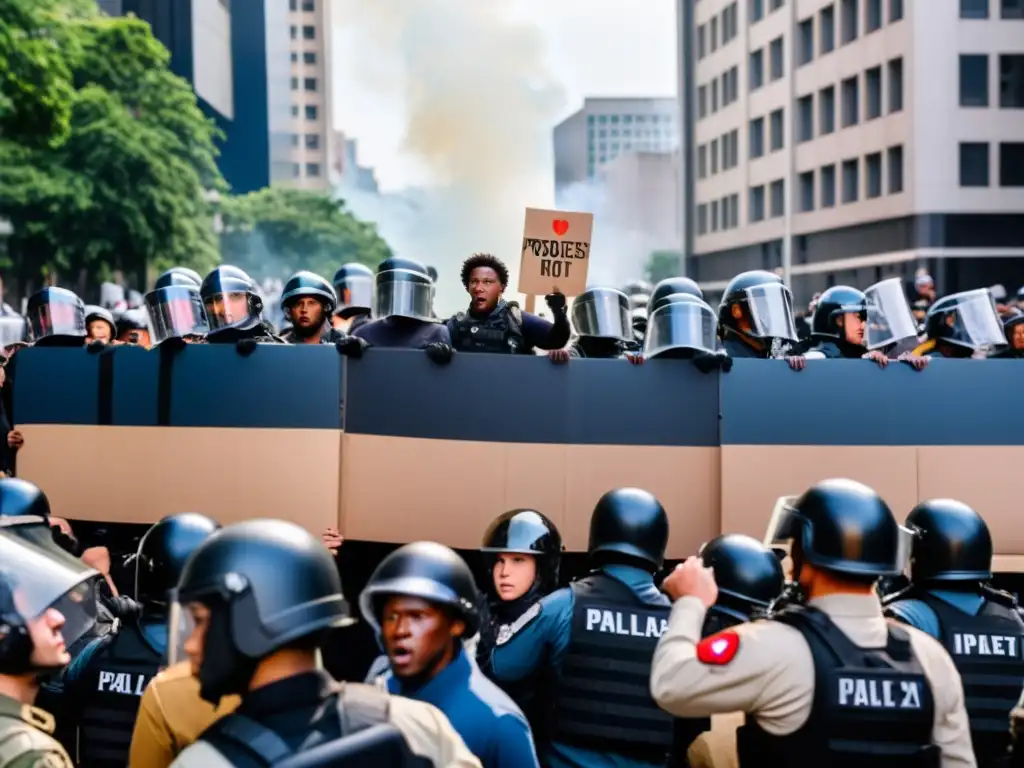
point(873, 707)
point(987, 652)
point(500, 332)
point(107, 695)
point(602, 701)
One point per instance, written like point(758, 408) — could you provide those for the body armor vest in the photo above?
point(872, 706)
point(987, 652)
point(501, 332)
point(603, 701)
point(108, 694)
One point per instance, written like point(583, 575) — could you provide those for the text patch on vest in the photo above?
point(862, 691)
point(985, 644)
point(125, 683)
point(624, 623)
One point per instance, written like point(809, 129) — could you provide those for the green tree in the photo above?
point(126, 188)
point(662, 264)
point(278, 231)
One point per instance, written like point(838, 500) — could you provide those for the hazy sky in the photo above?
point(593, 47)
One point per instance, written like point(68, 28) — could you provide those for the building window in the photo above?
point(755, 10)
point(778, 198)
point(702, 161)
point(701, 42)
point(309, 33)
point(873, 14)
point(295, 58)
point(296, 170)
point(713, 34)
point(1011, 81)
point(311, 112)
point(777, 61)
point(776, 4)
point(308, 5)
point(714, 95)
point(309, 57)
point(714, 215)
point(895, 85)
point(777, 130)
point(313, 170)
point(1012, 9)
point(848, 21)
point(974, 80)
point(974, 9)
point(293, 5)
point(734, 84)
point(895, 11)
point(309, 83)
point(735, 198)
point(827, 110)
point(756, 141)
point(295, 110)
point(873, 171)
point(756, 70)
point(312, 141)
point(702, 219)
point(851, 102)
point(295, 83)
point(702, 102)
point(805, 119)
point(851, 180)
point(828, 186)
point(756, 212)
point(730, 22)
point(1011, 164)
point(295, 139)
point(973, 164)
point(827, 29)
point(805, 42)
point(807, 191)
point(294, 31)
point(714, 156)
point(895, 162)
point(873, 93)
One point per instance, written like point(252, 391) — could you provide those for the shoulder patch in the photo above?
point(719, 649)
point(507, 631)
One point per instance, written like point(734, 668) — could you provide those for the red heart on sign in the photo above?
point(561, 226)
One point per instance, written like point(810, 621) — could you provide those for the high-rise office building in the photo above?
point(312, 133)
point(870, 136)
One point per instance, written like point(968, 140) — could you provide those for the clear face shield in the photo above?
point(176, 312)
point(181, 624)
point(682, 325)
point(60, 316)
point(771, 311)
point(230, 310)
point(403, 293)
point(355, 293)
point(975, 321)
point(889, 317)
point(603, 314)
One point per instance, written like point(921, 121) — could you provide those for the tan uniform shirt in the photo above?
point(171, 717)
point(425, 728)
point(771, 676)
point(25, 740)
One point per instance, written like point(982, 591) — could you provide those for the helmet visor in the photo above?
point(683, 325)
point(59, 315)
point(355, 293)
point(603, 314)
point(176, 312)
point(180, 626)
point(771, 311)
point(975, 321)
point(229, 310)
point(889, 316)
point(403, 293)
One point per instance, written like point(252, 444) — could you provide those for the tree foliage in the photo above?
point(663, 264)
point(118, 178)
point(278, 231)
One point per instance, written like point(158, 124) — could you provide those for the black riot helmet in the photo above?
point(32, 582)
point(670, 286)
point(527, 532)
point(826, 323)
point(968, 320)
point(629, 522)
point(403, 289)
point(178, 276)
point(353, 286)
point(55, 316)
point(951, 543)
point(844, 527)
point(602, 313)
point(25, 513)
point(163, 552)
point(231, 300)
point(268, 584)
point(429, 571)
point(312, 285)
point(680, 325)
point(749, 575)
point(757, 304)
point(94, 312)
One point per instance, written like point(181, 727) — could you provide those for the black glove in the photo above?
point(95, 347)
point(173, 344)
point(556, 302)
point(707, 362)
point(351, 346)
point(123, 607)
point(246, 347)
point(440, 353)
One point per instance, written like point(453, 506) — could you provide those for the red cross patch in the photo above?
point(719, 649)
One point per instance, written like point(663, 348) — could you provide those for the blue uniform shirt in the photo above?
point(919, 614)
point(540, 638)
point(490, 723)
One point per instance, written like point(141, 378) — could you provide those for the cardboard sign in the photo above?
point(556, 252)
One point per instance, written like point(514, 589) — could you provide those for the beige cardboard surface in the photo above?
point(555, 252)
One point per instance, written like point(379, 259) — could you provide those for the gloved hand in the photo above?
point(440, 353)
point(555, 302)
point(246, 347)
point(124, 608)
point(351, 346)
point(707, 362)
point(95, 347)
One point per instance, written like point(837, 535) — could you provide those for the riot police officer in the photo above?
point(260, 596)
point(491, 324)
point(601, 317)
point(962, 325)
point(755, 318)
point(104, 684)
point(1013, 328)
point(99, 325)
point(839, 327)
point(980, 627)
point(682, 326)
point(308, 302)
point(749, 578)
point(615, 612)
point(44, 608)
point(175, 308)
point(673, 285)
point(234, 309)
point(353, 286)
point(56, 318)
point(423, 603)
point(829, 683)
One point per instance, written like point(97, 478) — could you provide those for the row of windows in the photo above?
point(308, 57)
point(756, 8)
point(817, 190)
point(311, 111)
point(974, 80)
point(309, 140)
point(850, 23)
point(974, 164)
point(730, 91)
point(979, 9)
point(707, 34)
point(307, 5)
point(308, 84)
point(628, 119)
point(727, 148)
point(851, 110)
point(724, 215)
point(776, 64)
point(626, 133)
point(308, 32)
point(312, 170)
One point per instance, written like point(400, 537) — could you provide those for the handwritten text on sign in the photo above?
point(555, 252)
